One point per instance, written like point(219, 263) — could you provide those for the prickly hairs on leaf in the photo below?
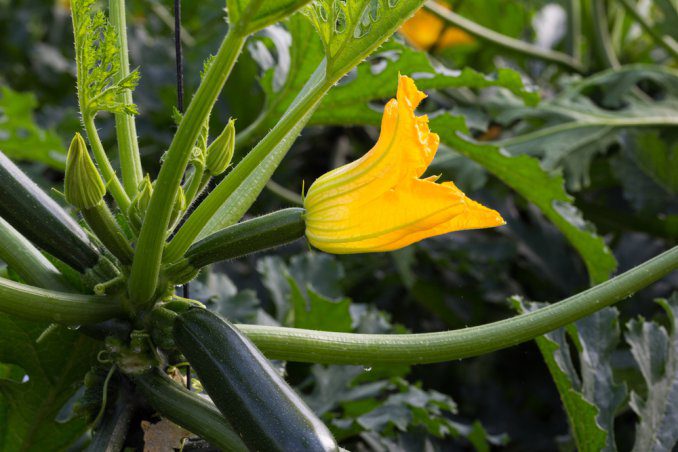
point(220, 152)
point(83, 186)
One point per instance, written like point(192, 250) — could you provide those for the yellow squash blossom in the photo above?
point(379, 202)
point(425, 30)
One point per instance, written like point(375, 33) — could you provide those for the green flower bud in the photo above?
point(138, 206)
point(180, 205)
point(83, 186)
point(220, 152)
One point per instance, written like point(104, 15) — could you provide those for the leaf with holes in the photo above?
point(53, 369)
point(351, 30)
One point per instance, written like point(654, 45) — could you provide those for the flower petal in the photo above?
point(379, 202)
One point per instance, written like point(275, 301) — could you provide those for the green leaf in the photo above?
point(656, 352)
point(258, 14)
point(657, 157)
point(590, 397)
point(21, 138)
point(351, 30)
point(523, 173)
point(377, 79)
point(311, 281)
point(53, 370)
point(569, 130)
point(316, 312)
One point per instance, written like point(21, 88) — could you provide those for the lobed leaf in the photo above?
point(656, 351)
point(590, 397)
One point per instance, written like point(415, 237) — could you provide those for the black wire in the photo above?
point(180, 105)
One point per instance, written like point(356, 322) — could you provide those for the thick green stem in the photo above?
point(101, 220)
point(146, 266)
point(665, 41)
point(107, 171)
point(125, 126)
point(371, 349)
point(504, 41)
point(43, 305)
point(27, 261)
point(188, 410)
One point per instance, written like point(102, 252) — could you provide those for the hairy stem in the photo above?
point(146, 266)
point(371, 349)
point(107, 171)
point(125, 126)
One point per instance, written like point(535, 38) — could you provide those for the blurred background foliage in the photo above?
point(569, 130)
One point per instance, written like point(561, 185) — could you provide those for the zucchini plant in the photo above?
point(107, 282)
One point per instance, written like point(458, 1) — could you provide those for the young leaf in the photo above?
point(21, 138)
point(656, 352)
point(53, 370)
point(96, 53)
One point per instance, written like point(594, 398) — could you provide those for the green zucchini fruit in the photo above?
point(41, 220)
point(251, 236)
point(257, 402)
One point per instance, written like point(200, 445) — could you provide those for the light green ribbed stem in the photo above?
point(125, 126)
point(374, 349)
point(27, 261)
point(43, 305)
point(146, 266)
point(112, 183)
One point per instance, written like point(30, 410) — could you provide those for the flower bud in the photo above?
point(180, 205)
point(138, 206)
point(220, 152)
point(83, 186)
point(380, 202)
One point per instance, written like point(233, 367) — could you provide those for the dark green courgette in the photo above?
point(257, 402)
point(251, 236)
point(41, 220)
